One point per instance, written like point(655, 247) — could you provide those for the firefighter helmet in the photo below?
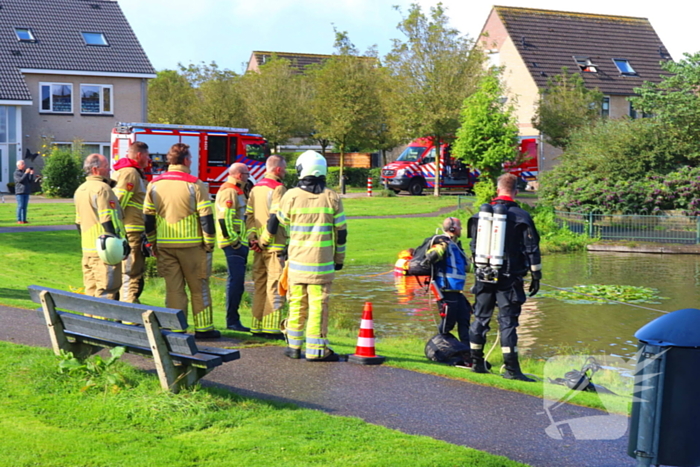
point(311, 163)
point(112, 249)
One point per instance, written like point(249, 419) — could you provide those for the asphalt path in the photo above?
point(489, 419)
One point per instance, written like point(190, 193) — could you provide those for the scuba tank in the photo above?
point(490, 242)
point(483, 236)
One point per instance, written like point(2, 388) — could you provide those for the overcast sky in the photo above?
point(227, 31)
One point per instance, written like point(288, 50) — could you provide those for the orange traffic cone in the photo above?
point(364, 352)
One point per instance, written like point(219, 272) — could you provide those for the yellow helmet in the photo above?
point(112, 249)
point(311, 163)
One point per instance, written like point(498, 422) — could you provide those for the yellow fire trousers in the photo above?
point(100, 279)
point(308, 305)
point(266, 300)
point(191, 266)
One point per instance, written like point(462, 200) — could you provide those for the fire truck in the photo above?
point(414, 169)
point(213, 149)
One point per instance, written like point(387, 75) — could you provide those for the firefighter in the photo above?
point(521, 253)
point(131, 191)
point(231, 232)
point(180, 226)
point(98, 212)
point(313, 216)
point(449, 274)
point(269, 242)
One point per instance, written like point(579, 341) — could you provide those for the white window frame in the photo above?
point(102, 102)
point(51, 110)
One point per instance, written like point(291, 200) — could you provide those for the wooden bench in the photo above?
point(83, 325)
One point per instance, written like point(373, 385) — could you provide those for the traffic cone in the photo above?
point(364, 352)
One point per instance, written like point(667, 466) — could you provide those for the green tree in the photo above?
point(171, 98)
point(277, 101)
point(345, 102)
point(219, 101)
point(565, 105)
point(436, 69)
point(676, 104)
point(489, 133)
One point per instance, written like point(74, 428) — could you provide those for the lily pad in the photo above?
point(597, 294)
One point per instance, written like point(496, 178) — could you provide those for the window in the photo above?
point(624, 67)
point(56, 97)
point(25, 35)
point(216, 150)
point(634, 113)
point(95, 38)
point(605, 107)
point(96, 99)
point(585, 64)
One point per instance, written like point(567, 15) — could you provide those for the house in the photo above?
point(70, 70)
point(612, 53)
point(298, 61)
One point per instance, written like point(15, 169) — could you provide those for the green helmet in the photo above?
point(112, 249)
point(311, 163)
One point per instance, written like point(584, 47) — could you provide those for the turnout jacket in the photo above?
point(95, 205)
point(230, 215)
point(131, 192)
point(522, 242)
point(317, 234)
point(263, 205)
point(178, 210)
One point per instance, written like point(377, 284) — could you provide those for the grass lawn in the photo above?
point(49, 419)
point(397, 205)
point(52, 259)
point(38, 214)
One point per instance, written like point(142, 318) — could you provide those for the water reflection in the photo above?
point(403, 307)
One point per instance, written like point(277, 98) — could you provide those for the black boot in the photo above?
point(478, 363)
point(513, 368)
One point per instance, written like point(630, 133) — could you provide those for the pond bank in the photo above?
point(645, 247)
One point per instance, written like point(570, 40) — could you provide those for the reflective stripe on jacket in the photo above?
point(230, 207)
point(96, 203)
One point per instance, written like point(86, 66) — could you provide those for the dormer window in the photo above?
point(585, 64)
point(624, 67)
point(95, 38)
point(25, 35)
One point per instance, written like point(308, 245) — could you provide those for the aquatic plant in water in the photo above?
point(598, 294)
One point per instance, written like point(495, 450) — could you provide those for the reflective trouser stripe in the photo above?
point(475, 346)
point(509, 349)
point(191, 267)
point(308, 305)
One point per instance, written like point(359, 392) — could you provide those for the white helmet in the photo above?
point(311, 163)
point(112, 249)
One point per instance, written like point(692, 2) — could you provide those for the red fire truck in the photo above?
point(414, 169)
point(213, 149)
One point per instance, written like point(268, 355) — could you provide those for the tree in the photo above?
point(277, 101)
point(218, 98)
point(436, 69)
point(345, 103)
point(171, 98)
point(565, 105)
point(489, 133)
point(676, 104)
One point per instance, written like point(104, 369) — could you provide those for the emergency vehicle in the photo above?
point(213, 149)
point(414, 169)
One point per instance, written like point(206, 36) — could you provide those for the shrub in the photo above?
point(62, 173)
point(485, 191)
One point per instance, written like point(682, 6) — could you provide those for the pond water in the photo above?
point(546, 324)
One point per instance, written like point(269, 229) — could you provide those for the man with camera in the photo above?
point(24, 177)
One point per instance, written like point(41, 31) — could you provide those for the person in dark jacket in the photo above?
point(24, 177)
point(521, 254)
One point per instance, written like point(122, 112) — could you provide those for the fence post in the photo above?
point(590, 225)
point(369, 186)
point(697, 230)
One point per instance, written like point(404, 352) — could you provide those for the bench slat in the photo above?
point(227, 355)
point(199, 360)
point(125, 334)
point(167, 317)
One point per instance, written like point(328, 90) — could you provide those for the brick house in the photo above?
point(612, 53)
point(70, 70)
